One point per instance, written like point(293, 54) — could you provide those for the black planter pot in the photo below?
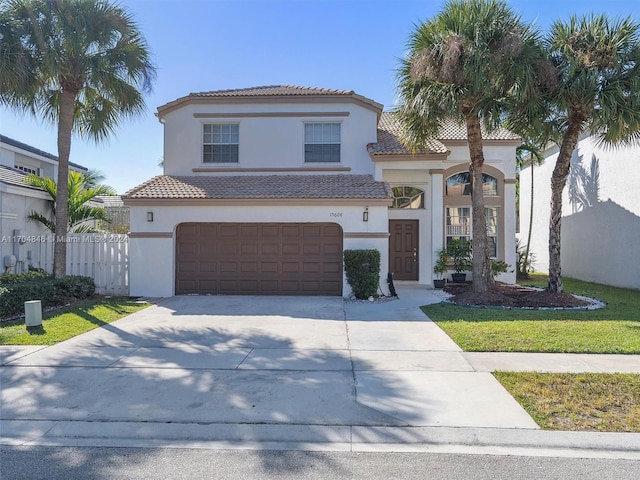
point(459, 277)
point(439, 282)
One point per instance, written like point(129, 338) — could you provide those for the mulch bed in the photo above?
point(512, 296)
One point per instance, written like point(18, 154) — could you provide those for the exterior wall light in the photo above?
point(365, 215)
point(149, 216)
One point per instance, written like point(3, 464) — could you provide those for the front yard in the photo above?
point(587, 401)
point(64, 323)
point(613, 329)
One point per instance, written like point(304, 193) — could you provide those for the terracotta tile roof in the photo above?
point(272, 90)
point(451, 130)
point(389, 131)
point(279, 93)
point(389, 139)
point(261, 186)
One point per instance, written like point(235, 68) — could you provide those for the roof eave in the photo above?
point(182, 202)
point(262, 99)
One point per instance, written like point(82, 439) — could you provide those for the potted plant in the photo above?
point(440, 268)
point(460, 253)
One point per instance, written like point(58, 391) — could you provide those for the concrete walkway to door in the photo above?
point(268, 372)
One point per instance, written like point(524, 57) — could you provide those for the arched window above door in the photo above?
point(407, 197)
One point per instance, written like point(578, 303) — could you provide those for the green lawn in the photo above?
point(582, 401)
point(67, 322)
point(614, 329)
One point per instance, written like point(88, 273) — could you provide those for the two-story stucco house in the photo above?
point(264, 188)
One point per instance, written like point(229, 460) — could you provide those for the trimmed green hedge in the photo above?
point(8, 278)
point(49, 290)
point(363, 272)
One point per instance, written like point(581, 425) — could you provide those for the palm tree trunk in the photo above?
point(527, 250)
point(558, 182)
point(65, 125)
point(481, 268)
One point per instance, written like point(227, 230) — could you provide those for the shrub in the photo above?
point(498, 267)
point(363, 271)
point(525, 264)
point(48, 290)
point(8, 278)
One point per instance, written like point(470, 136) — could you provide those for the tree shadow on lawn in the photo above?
point(193, 382)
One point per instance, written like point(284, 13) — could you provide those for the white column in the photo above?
point(437, 212)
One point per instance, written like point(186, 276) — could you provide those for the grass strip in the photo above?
point(62, 324)
point(602, 402)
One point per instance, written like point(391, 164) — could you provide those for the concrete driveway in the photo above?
point(231, 369)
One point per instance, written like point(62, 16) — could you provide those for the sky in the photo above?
point(205, 45)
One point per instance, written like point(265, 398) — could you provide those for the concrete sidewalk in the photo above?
point(294, 373)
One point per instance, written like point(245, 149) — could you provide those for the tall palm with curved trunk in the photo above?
point(80, 64)
point(599, 63)
point(82, 188)
point(470, 63)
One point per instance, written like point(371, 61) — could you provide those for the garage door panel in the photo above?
point(311, 267)
point(263, 259)
point(269, 267)
point(226, 267)
point(269, 249)
point(290, 267)
point(331, 267)
point(291, 249)
point(208, 267)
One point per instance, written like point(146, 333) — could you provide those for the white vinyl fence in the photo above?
point(103, 257)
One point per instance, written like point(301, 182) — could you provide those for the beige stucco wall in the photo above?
point(600, 239)
point(155, 277)
point(272, 141)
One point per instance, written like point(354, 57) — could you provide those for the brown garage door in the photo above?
point(259, 258)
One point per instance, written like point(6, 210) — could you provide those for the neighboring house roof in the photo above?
point(271, 92)
point(389, 134)
point(13, 176)
point(35, 151)
point(109, 201)
point(261, 186)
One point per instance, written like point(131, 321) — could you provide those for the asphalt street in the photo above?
point(70, 463)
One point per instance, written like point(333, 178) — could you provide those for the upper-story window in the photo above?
point(407, 197)
point(26, 169)
point(220, 142)
point(459, 184)
point(321, 142)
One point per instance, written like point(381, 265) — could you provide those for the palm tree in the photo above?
point(529, 154)
point(599, 63)
point(82, 187)
point(468, 63)
point(81, 64)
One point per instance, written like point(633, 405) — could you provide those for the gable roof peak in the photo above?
point(272, 90)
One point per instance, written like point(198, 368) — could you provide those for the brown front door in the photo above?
point(403, 249)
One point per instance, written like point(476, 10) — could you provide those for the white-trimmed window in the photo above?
point(459, 226)
point(321, 142)
point(220, 142)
